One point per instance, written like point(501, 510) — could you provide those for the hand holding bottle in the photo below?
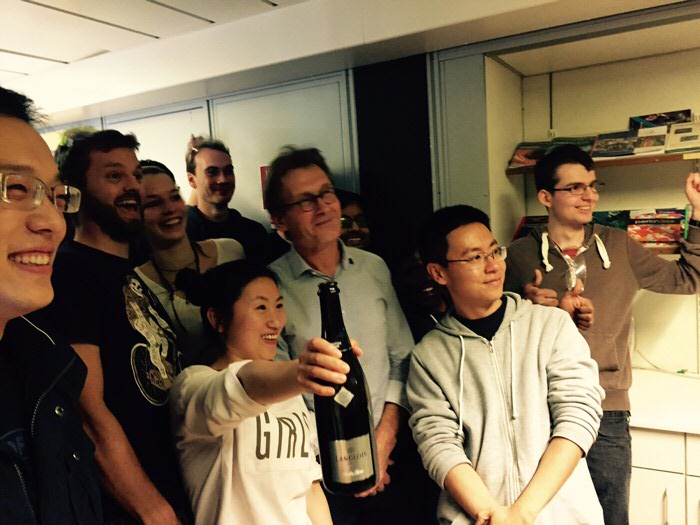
point(321, 361)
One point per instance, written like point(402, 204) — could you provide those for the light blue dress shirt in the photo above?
point(371, 312)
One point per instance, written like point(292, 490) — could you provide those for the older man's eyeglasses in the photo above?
point(479, 260)
point(580, 188)
point(26, 192)
point(310, 202)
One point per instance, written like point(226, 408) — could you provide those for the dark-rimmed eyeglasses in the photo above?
point(26, 192)
point(346, 221)
point(580, 188)
point(311, 201)
point(479, 260)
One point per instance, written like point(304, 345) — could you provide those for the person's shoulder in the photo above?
point(366, 258)
point(281, 263)
point(235, 217)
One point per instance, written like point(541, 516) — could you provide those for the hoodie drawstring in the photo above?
point(545, 252)
point(602, 252)
point(460, 430)
point(514, 410)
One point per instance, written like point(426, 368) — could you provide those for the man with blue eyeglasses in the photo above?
point(302, 202)
point(612, 267)
point(47, 472)
point(504, 395)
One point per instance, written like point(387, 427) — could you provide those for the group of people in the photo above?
point(158, 367)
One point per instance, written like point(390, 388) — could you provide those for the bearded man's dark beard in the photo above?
point(109, 221)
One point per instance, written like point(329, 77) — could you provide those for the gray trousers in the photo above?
point(610, 464)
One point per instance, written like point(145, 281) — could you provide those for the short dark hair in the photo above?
point(347, 198)
point(77, 160)
point(196, 145)
point(16, 105)
point(546, 168)
point(220, 287)
point(68, 138)
point(432, 237)
point(290, 158)
point(153, 167)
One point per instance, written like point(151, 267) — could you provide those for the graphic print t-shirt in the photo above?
point(100, 301)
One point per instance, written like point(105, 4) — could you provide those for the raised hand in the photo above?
point(537, 295)
point(692, 191)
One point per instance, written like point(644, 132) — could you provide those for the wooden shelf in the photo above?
point(625, 160)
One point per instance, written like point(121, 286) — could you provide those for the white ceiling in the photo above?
point(82, 59)
point(39, 35)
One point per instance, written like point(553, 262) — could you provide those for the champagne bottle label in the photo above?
point(353, 459)
point(343, 397)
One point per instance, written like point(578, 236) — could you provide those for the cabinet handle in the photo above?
point(665, 508)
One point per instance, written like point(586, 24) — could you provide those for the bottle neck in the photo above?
point(332, 325)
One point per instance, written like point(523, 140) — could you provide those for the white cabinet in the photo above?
point(658, 478)
point(657, 498)
point(693, 500)
point(665, 478)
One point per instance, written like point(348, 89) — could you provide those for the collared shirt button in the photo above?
point(59, 411)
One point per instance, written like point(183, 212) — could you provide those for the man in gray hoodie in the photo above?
point(504, 394)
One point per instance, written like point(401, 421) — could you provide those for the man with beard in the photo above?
point(121, 334)
point(210, 173)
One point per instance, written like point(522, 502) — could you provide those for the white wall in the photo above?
point(164, 135)
point(256, 125)
point(504, 118)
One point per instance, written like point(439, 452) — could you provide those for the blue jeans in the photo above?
point(610, 463)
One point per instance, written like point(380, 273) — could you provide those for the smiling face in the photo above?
point(112, 196)
point(213, 179)
point(570, 210)
point(355, 231)
point(309, 230)
point(28, 239)
point(476, 290)
point(257, 321)
point(164, 213)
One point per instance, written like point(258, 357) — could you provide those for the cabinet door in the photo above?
point(657, 498)
point(693, 501)
point(658, 450)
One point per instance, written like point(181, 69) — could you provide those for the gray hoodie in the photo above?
point(496, 404)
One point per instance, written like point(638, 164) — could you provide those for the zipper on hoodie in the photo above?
point(514, 483)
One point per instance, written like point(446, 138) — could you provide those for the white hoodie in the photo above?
point(496, 404)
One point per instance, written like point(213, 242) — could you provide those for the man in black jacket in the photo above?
point(46, 460)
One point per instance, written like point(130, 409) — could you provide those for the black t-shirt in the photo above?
point(15, 439)
point(486, 327)
point(251, 234)
point(99, 301)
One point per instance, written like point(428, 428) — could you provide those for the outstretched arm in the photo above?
point(121, 473)
point(268, 382)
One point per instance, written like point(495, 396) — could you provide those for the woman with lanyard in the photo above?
point(165, 223)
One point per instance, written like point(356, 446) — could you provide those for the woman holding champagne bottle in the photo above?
point(242, 431)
